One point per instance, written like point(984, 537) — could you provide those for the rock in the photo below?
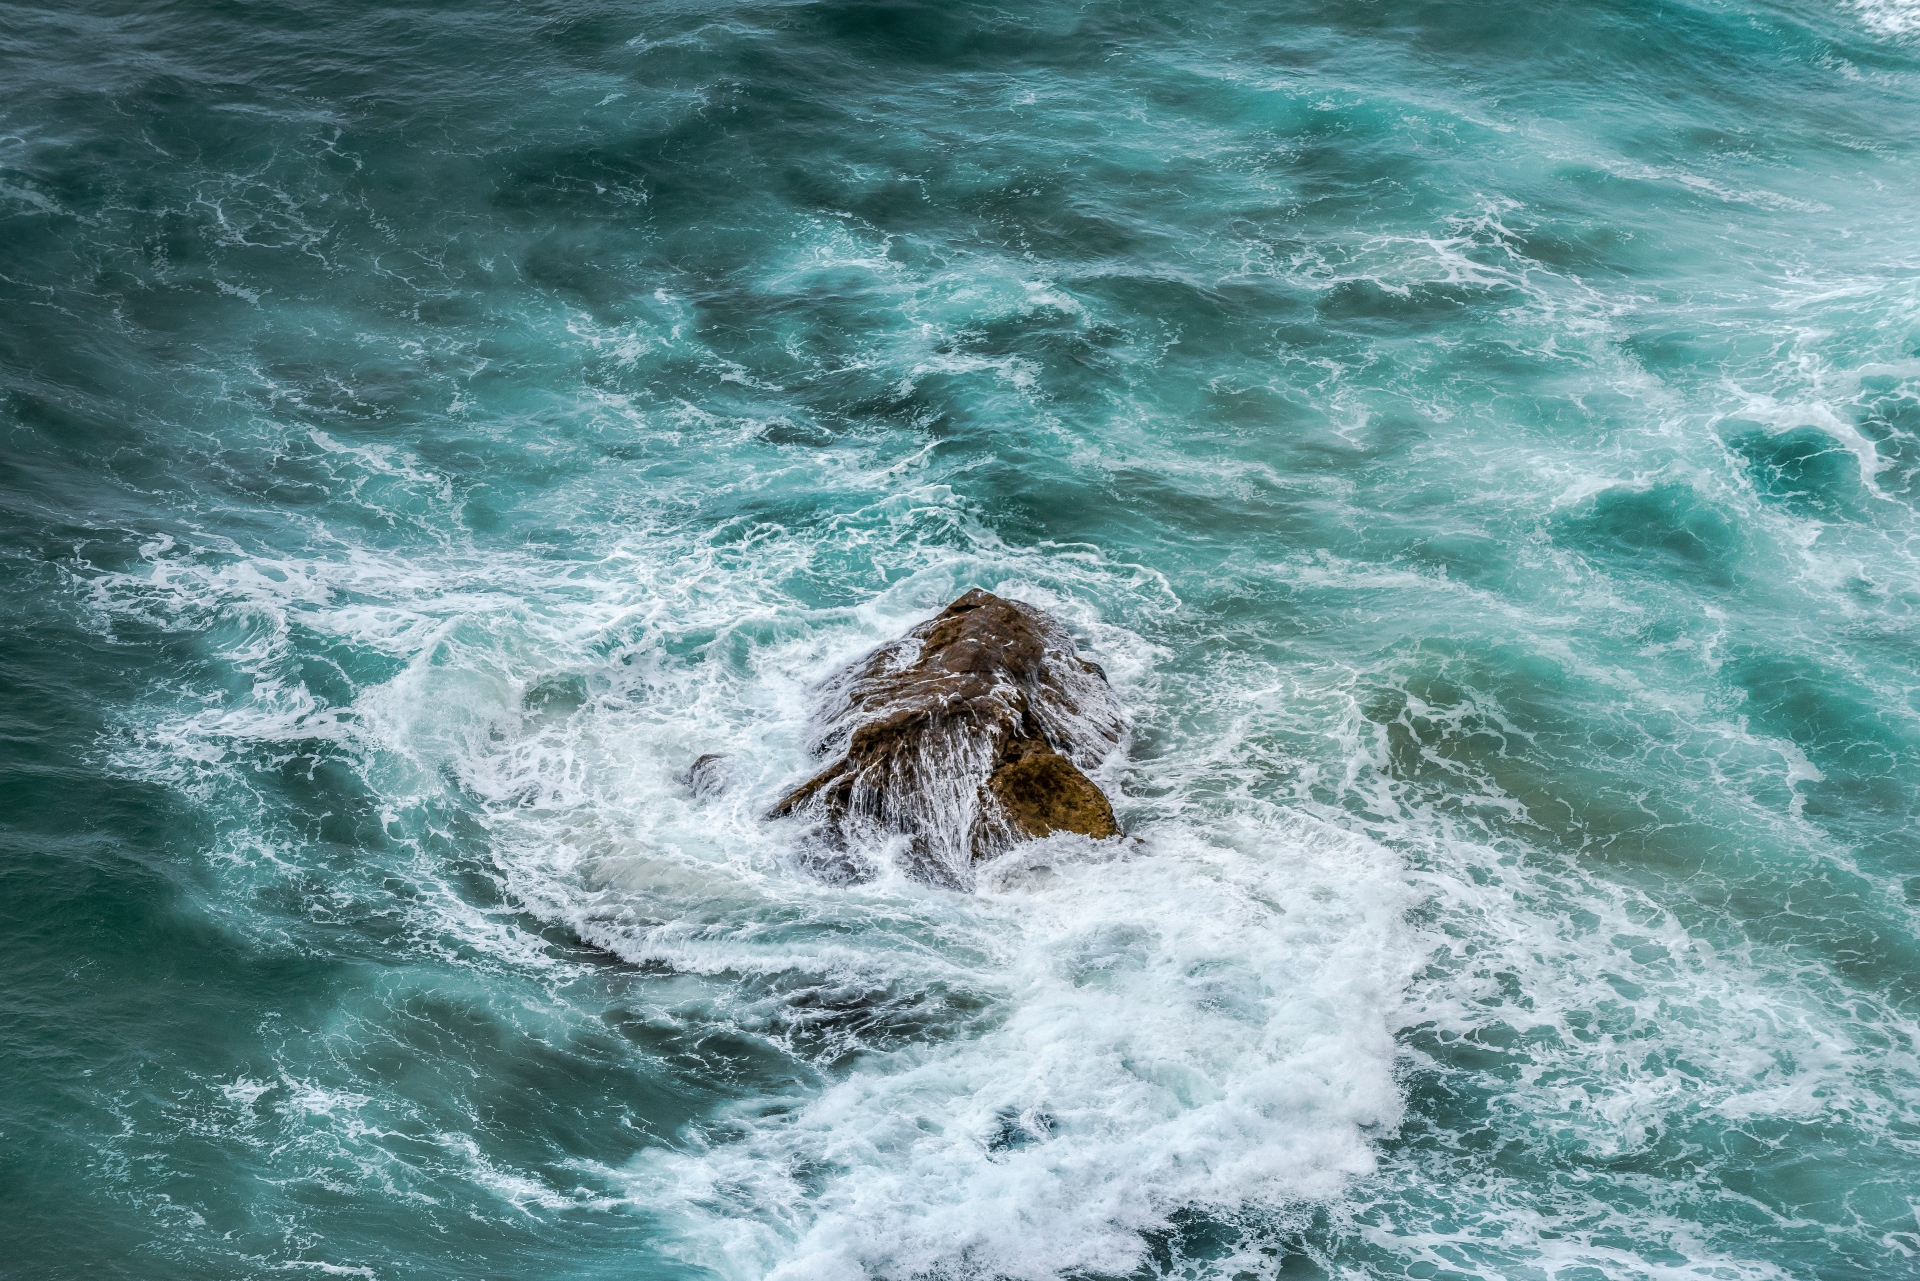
point(709, 775)
point(966, 735)
point(1042, 793)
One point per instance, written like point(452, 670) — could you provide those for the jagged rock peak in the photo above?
point(970, 733)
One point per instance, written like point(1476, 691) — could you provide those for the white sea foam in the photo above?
point(1185, 1024)
point(1899, 19)
point(1200, 1018)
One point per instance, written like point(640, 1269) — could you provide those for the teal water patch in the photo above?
point(1480, 444)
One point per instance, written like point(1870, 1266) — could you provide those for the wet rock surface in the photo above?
point(709, 776)
point(972, 732)
point(1041, 792)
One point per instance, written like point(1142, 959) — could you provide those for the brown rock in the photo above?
point(1041, 792)
point(966, 735)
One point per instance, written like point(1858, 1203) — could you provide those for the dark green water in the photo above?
point(1482, 443)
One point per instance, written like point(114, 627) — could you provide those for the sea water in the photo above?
point(1480, 441)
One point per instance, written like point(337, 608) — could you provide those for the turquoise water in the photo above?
point(1481, 442)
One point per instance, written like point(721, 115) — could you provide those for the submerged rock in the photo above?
point(709, 775)
point(966, 735)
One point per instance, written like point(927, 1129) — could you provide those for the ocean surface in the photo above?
point(1481, 442)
